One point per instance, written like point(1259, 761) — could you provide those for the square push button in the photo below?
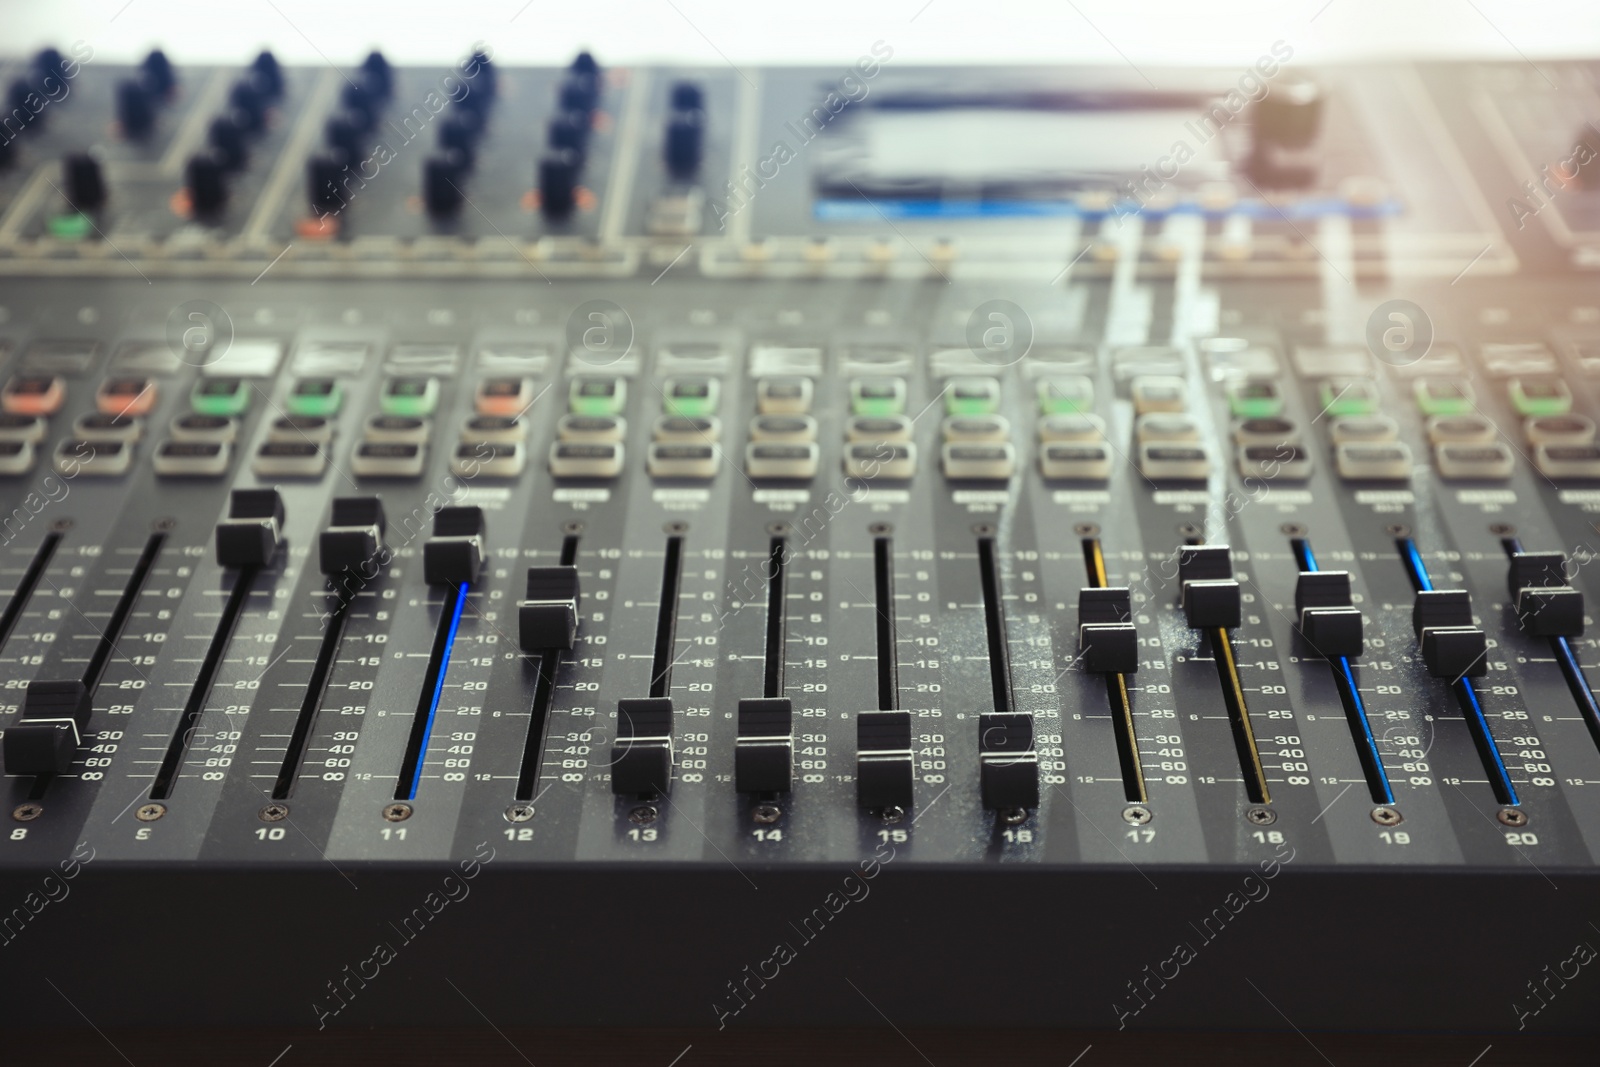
point(319, 397)
point(503, 396)
point(784, 396)
point(376, 459)
point(1444, 396)
point(413, 396)
point(192, 459)
point(972, 396)
point(692, 397)
point(878, 396)
point(220, 396)
point(33, 394)
point(1540, 396)
point(125, 396)
point(1348, 396)
point(1071, 394)
point(1255, 400)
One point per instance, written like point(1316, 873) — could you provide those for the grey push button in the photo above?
point(681, 461)
point(488, 461)
point(592, 429)
point(573, 459)
point(385, 459)
point(289, 459)
point(192, 459)
point(101, 459)
point(197, 427)
point(98, 426)
point(396, 429)
point(16, 457)
point(308, 428)
point(778, 460)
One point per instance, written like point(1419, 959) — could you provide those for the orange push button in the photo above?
point(130, 397)
point(33, 394)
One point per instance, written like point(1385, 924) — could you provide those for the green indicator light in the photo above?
point(976, 397)
point(1541, 396)
point(878, 397)
point(1255, 400)
point(316, 396)
point(220, 396)
point(1444, 397)
point(74, 226)
point(597, 396)
point(1065, 396)
point(1348, 396)
point(416, 397)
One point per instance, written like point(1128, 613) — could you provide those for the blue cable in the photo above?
point(438, 686)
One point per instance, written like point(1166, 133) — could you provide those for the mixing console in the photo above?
point(620, 516)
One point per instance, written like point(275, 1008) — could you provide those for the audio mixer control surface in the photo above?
point(1050, 528)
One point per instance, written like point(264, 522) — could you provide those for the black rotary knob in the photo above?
point(685, 144)
point(688, 96)
point(158, 73)
point(570, 129)
point(17, 96)
point(377, 75)
point(136, 111)
point(442, 176)
point(227, 140)
point(246, 99)
point(268, 75)
point(51, 64)
point(206, 179)
point(485, 77)
point(458, 135)
point(1289, 116)
point(85, 181)
point(558, 183)
point(343, 133)
point(360, 104)
point(578, 94)
point(322, 183)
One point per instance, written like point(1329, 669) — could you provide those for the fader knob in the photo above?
point(322, 184)
point(577, 94)
point(136, 112)
point(360, 105)
point(227, 141)
point(50, 63)
point(687, 96)
point(569, 130)
point(343, 133)
point(441, 184)
point(17, 96)
point(206, 181)
point(459, 133)
point(158, 73)
point(558, 184)
point(684, 145)
point(85, 182)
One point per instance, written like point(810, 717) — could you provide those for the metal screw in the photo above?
point(677, 526)
point(61, 525)
point(644, 813)
point(1137, 814)
point(274, 812)
point(572, 527)
point(1397, 529)
point(777, 529)
point(1189, 529)
point(1261, 816)
point(1384, 815)
point(1293, 529)
point(27, 812)
point(1502, 529)
point(149, 812)
point(163, 525)
point(1512, 816)
point(880, 529)
point(984, 529)
point(893, 813)
point(1013, 816)
point(766, 813)
point(519, 813)
point(397, 812)
point(1087, 529)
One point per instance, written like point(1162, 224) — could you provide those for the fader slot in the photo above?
point(543, 697)
point(641, 756)
point(444, 640)
point(29, 582)
point(1355, 708)
point(1127, 737)
point(777, 614)
point(316, 690)
point(994, 625)
point(1453, 648)
point(667, 619)
point(1008, 766)
point(888, 652)
point(177, 748)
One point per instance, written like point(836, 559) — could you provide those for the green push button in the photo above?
point(1540, 396)
point(1071, 395)
point(597, 396)
point(414, 397)
point(321, 397)
point(220, 396)
point(1348, 396)
point(691, 397)
point(1255, 400)
point(1445, 396)
point(878, 396)
point(72, 226)
point(972, 396)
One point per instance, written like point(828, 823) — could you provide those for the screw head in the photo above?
point(892, 814)
point(677, 526)
point(572, 527)
point(61, 525)
point(1398, 529)
point(149, 812)
point(1384, 815)
point(274, 812)
point(1261, 816)
point(643, 814)
point(397, 812)
point(766, 814)
point(1512, 816)
point(519, 813)
point(27, 812)
point(1293, 529)
point(1502, 529)
point(1087, 529)
point(1137, 814)
point(1013, 816)
point(880, 529)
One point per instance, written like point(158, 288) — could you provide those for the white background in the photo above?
point(817, 31)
